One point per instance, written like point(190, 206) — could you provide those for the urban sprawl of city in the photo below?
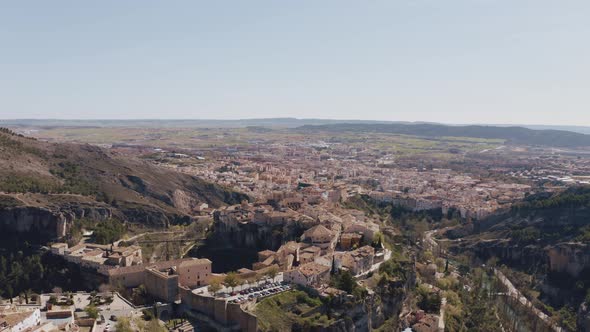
point(291, 229)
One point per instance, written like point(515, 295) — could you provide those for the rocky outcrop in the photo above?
point(513, 254)
point(572, 258)
point(45, 223)
point(583, 321)
point(255, 236)
point(150, 216)
point(182, 201)
point(391, 298)
point(383, 304)
point(249, 235)
point(31, 219)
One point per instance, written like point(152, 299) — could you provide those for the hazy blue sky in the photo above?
point(472, 61)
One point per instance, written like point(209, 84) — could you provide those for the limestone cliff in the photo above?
point(48, 222)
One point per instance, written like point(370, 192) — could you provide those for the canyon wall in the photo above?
point(41, 223)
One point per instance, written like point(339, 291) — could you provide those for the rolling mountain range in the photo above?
point(240, 123)
point(550, 136)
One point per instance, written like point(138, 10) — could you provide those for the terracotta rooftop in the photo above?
point(351, 235)
point(312, 249)
point(94, 252)
point(137, 268)
point(194, 262)
point(318, 231)
point(313, 268)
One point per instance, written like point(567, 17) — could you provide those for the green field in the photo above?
point(212, 138)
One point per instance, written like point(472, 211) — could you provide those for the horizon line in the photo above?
point(299, 119)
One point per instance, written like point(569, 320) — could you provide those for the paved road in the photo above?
point(515, 293)
point(118, 308)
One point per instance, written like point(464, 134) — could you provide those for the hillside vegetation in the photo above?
point(512, 135)
point(543, 219)
point(543, 245)
point(58, 176)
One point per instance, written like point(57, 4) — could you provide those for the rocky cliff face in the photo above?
point(571, 258)
point(45, 223)
point(549, 231)
point(256, 236)
point(514, 254)
point(545, 236)
point(249, 236)
point(392, 297)
point(31, 219)
point(371, 312)
point(584, 317)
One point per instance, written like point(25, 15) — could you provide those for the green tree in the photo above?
point(139, 295)
point(272, 272)
point(9, 292)
point(344, 281)
point(123, 325)
point(92, 311)
point(28, 294)
point(214, 286)
point(231, 280)
point(154, 326)
point(428, 300)
point(109, 231)
point(567, 318)
point(378, 240)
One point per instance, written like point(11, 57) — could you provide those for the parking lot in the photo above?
point(258, 292)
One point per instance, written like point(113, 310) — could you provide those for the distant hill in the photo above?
point(184, 123)
point(512, 135)
point(240, 123)
point(575, 129)
point(556, 136)
point(43, 182)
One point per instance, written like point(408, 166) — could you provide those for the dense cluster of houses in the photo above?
point(333, 238)
point(333, 174)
